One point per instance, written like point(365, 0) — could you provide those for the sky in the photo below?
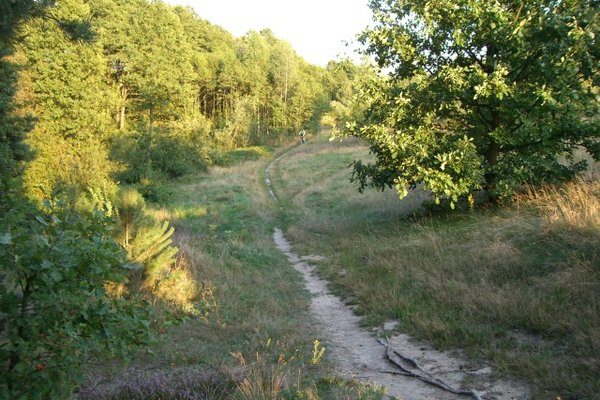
point(316, 29)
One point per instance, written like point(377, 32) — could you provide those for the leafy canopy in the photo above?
point(479, 94)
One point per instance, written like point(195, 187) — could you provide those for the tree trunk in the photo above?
point(491, 156)
point(124, 94)
point(149, 146)
point(122, 118)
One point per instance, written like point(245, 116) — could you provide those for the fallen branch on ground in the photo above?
point(411, 368)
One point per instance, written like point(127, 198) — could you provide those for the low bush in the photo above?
point(57, 311)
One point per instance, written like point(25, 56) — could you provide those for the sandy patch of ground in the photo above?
point(359, 354)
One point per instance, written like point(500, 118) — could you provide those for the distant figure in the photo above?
point(302, 136)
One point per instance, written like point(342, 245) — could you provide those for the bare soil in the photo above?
point(359, 354)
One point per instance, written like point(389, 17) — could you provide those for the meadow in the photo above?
point(514, 285)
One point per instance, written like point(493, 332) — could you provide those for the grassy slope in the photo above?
point(258, 343)
point(519, 286)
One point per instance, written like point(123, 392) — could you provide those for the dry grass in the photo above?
point(574, 205)
point(479, 280)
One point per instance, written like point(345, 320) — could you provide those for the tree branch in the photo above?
point(525, 65)
point(409, 367)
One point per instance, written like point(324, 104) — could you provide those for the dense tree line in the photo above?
point(156, 90)
point(93, 92)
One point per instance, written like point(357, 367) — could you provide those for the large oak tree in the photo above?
point(479, 94)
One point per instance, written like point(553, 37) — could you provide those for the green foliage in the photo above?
point(62, 165)
point(171, 155)
point(65, 89)
point(14, 12)
point(479, 94)
point(158, 86)
point(12, 127)
point(149, 244)
point(175, 157)
point(55, 264)
point(55, 311)
point(345, 80)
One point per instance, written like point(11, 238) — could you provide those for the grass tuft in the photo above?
point(574, 205)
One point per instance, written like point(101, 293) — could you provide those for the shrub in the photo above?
point(55, 311)
point(171, 155)
point(149, 244)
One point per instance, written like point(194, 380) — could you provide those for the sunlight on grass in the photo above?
point(577, 204)
point(481, 280)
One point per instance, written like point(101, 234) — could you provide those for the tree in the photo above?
point(65, 89)
point(149, 244)
point(479, 94)
point(13, 127)
point(344, 81)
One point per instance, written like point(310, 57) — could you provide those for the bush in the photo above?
point(171, 155)
point(55, 310)
point(148, 243)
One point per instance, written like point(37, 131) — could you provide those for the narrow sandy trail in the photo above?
point(359, 354)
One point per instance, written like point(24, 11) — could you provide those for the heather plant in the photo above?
point(166, 384)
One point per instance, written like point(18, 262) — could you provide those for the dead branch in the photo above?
point(409, 367)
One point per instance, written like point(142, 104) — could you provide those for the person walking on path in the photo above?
point(302, 136)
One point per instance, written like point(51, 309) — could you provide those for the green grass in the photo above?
point(236, 157)
point(258, 337)
point(519, 285)
point(224, 224)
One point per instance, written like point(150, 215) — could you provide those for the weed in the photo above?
point(317, 352)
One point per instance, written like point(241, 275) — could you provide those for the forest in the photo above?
point(112, 111)
point(137, 90)
point(102, 102)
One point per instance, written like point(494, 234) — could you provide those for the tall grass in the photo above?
point(249, 295)
point(519, 286)
point(574, 205)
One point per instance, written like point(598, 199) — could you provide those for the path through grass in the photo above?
point(519, 286)
point(257, 340)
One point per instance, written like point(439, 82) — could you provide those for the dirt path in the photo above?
point(359, 354)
